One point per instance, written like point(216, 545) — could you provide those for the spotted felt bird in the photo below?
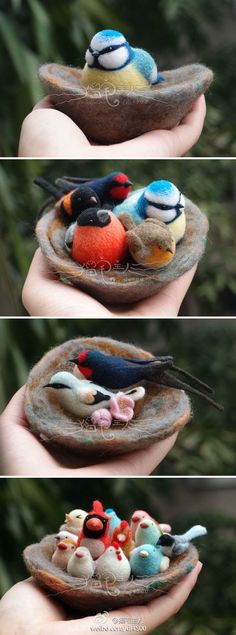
point(69, 205)
point(112, 188)
point(118, 372)
point(97, 239)
point(173, 546)
point(95, 532)
point(112, 63)
point(161, 200)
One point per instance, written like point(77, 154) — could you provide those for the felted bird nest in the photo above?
point(128, 282)
point(91, 596)
point(162, 412)
point(118, 115)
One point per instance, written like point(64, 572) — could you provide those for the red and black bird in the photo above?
point(95, 532)
point(112, 189)
point(69, 205)
point(117, 373)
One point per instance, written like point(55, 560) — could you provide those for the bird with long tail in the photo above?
point(116, 372)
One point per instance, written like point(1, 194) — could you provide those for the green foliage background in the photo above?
point(210, 184)
point(35, 507)
point(176, 32)
point(207, 348)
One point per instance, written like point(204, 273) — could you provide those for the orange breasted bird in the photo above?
point(113, 188)
point(97, 239)
point(95, 532)
point(116, 372)
point(71, 203)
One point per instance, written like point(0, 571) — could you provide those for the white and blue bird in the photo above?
point(113, 63)
point(161, 200)
point(173, 546)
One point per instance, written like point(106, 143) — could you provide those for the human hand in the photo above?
point(44, 295)
point(22, 454)
point(47, 132)
point(26, 609)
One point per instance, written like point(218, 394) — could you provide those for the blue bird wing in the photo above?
point(146, 65)
point(147, 362)
point(130, 205)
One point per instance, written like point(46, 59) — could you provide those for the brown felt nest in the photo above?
point(162, 412)
point(129, 282)
point(93, 595)
point(112, 117)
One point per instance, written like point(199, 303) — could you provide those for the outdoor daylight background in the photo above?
point(206, 348)
point(33, 508)
point(176, 32)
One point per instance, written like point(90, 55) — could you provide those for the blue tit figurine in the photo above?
point(114, 519)
point(173, 546)
point(112, 63)
point(147, 560)
point(161, 200)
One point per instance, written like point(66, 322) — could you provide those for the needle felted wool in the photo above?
point(161, 200)
point(95, 532)
point(64, 550)
point(148, 532)
point(81, 564)
point(150, 243)
point(73, 202)
point(78, 396)
point(113, 565)
point(147, 560)
point(74, 521)
point(114, 519)
point(111, 189)
point(112, 63)
point(123, 536)
point(99, 240)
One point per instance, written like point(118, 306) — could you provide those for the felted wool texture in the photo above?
point(100, 246)
point(162, 412)
point(160, 107)
point(81, 567)
point(92, 597)
point(149, 241)
point(131, 282)
point(110, 568)
point(145, 566)
point(128, 78)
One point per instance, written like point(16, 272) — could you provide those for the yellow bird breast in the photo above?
point(177, 228)
point(127, 78)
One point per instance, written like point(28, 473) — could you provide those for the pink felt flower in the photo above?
point(101, 418)
point(122, 407)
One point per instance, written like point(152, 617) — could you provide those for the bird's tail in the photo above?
point(166, 379)
point(194, 532)
point(69, 183)
point(48, 187)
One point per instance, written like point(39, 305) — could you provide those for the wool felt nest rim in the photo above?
point(129, 283)
point(113, 116)
point(94, 595)
point(160, 414)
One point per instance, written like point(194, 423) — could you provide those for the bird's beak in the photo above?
point(61, 545)
point(94, 524)
point(73, 361)
point(93, 199)
point(170, 251)
point(143, 554)
point(67, 518)
point(48, 386)
point(79, 554)
point(143, 524)
point(128, 183)
point(135, 519)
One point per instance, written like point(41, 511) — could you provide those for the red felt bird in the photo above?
point(95, 531)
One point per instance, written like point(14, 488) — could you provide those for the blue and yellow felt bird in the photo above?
point(118, 372)
point(161, 200)
point(112, 63)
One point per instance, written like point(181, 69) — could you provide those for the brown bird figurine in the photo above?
point(150, 243)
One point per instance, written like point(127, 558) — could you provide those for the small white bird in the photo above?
point(113, 565)
point(81, 397)
point(63, 552)
point(62, 534)
point(74, 521)
point(81, 564)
